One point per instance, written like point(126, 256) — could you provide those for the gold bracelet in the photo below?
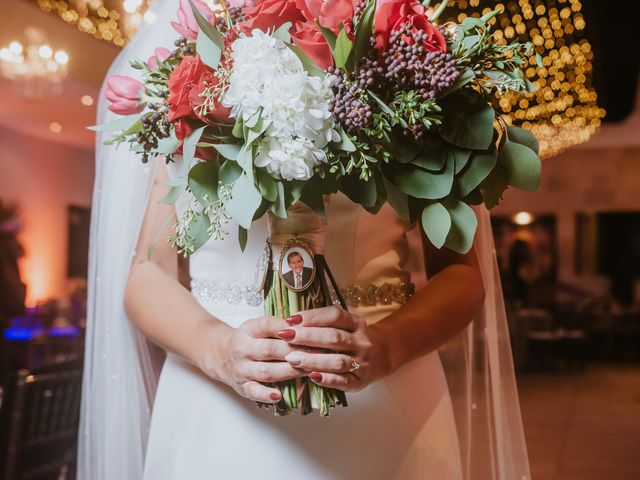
point(385, 294)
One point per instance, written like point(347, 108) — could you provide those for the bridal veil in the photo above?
point(121, 372)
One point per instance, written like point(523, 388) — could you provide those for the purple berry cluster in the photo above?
point(183, 48)
point(347, 106)
point(411, 67)
point(154, 128)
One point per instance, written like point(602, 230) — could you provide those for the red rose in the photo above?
point(217, 114)
point(393, 14)
point(309, 39)
point(269, 15)
point(182, 80)
point(329, 13)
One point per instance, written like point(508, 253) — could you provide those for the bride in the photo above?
point(172, 374)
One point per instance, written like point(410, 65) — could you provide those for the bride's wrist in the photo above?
point(210, 355)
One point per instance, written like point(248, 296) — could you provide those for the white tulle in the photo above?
point(121, 371)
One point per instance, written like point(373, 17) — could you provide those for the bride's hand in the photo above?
point(251, 355)
point(335, 329)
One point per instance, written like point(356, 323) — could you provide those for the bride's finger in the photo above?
point(342, 381)
point(321, 337)
point(260, 393)
point(269, 349)
point(333, 316)
point(263, 327)
point(320, 362)
point(267, 372)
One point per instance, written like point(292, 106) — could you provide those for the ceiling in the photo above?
point(88, 64)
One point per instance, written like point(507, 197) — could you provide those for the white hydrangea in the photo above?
point(267, 75)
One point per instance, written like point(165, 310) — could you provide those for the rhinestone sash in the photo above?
point(209, 291)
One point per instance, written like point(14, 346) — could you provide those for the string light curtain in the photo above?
point(562, 112)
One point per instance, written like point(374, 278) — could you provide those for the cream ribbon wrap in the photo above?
point(301, 222)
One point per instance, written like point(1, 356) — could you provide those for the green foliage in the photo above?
point(436, 223)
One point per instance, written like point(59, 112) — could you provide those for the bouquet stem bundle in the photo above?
point(302, 394)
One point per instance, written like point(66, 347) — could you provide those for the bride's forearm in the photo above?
point(437, 312)
point(168, 314)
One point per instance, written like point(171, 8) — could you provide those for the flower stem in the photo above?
point(439, 11)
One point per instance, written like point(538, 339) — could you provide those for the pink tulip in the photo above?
point(124, 94)
point(187, 26)
point(160, 54)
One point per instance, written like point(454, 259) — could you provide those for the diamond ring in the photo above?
point(354, 365)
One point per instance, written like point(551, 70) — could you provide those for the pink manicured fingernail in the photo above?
point(315, 376)
point(294, 319)
point(287, 334)
point(274, 396)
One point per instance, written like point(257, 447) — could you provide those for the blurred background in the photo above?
point(569, 254)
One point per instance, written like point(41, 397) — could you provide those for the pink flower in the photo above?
point(187, 26)
point(312, 43)
point(329, 13)
point(160, 54)
point(394, 14)
point(124, 94)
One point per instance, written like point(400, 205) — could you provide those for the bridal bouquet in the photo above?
point(283, 102)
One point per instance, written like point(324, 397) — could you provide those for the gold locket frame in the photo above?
point(297, 244)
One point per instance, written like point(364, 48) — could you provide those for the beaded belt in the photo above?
point(210, 291)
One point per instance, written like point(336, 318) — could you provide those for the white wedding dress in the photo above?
point(399, 428)
point(188, 427)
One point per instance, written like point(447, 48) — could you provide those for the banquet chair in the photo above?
point(39, 423)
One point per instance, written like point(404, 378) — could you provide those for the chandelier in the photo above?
point(33, 66)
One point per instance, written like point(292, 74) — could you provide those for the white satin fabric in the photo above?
point(399, 428)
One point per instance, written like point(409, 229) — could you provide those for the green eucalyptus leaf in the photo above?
point(245, 200)
point(436, 223)
point(397, 199)
point(523, 137)
point(362, 192)
point(198, 230)
point(403, 149)
point(279, 207)
point(463, 226)
point(345, 142)
point(208, 51)
point(189, 146)
point(293, 191)
point(494, 186)
point(203, 182)
point(383, 106)
point(364, 32)
point(342, 49)
point(312, 196)
point(328, 35)
point(243, 236)
point(122, 123)
point(309, 65)
point(168, 145)
point(461, 157)
point(522, 165)
point(238, 128)
point(477, 170)
point(282, 32)
point(469, 126)
point(267, 185)
point(472, 23)
point(228, 151)
point(229, 172)
point(465, 78)
point(205, 27)
point(421, 183)
point(245, 159)
point(381, 194)
point(433, 156)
